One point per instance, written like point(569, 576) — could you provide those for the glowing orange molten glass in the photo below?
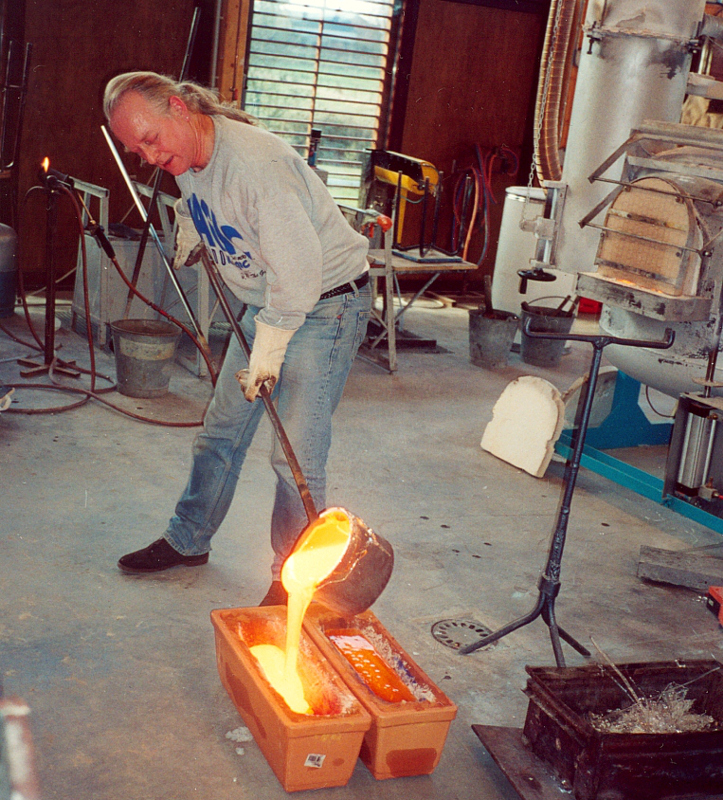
point(370, 666)
point(320, 550)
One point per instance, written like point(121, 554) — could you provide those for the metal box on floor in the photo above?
point(108, 293)
point(625, 766)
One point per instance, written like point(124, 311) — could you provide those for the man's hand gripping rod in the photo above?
point(199, 253)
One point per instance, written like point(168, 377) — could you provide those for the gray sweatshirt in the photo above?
point(270, 224)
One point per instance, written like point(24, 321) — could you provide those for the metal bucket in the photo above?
point(362, 572)
point(491, 337)
point(144, 353)
point(544, 319)
point(8, 270)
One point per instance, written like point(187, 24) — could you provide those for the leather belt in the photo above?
point(345, 288)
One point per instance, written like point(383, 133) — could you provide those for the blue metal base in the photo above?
point(627, 426)
point(639, 481)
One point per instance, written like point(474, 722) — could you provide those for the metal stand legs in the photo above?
point(52, 192)
point(549, 582)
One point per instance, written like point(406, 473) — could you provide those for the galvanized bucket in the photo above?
point(544, 319)
point(145, 350)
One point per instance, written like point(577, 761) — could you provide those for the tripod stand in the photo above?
point(549, 581)
point(54, 183)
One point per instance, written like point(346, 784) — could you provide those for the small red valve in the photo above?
point(384, 222)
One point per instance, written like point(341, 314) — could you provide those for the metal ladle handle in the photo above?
point(200, 252)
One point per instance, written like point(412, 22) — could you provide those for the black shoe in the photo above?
point(156, 557)
point(276, 596)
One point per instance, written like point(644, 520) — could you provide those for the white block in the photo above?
point(526, 422)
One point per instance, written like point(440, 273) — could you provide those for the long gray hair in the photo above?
point(158, 90)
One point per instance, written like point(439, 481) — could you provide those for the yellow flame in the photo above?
point(46, 164)
point(320, 551)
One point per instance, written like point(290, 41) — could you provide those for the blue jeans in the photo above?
point(315, 369)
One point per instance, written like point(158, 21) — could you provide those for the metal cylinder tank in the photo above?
point(634, 66)
point(514, 251)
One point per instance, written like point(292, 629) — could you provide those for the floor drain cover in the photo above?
point(458, 633)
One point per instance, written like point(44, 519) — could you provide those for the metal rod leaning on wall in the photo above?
point(144, 216)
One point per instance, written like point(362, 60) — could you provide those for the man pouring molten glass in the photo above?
point(284, 249)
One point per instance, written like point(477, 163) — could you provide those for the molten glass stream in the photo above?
point(321, 549)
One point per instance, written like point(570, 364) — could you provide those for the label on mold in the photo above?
point(314, 760)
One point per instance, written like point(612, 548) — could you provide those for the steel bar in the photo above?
point(190, 43)
point(142, 211)
point(632, 185)
point(638, 237)
point(143, 241)
point(216, 284)
point(51, 289)
point(158, 175)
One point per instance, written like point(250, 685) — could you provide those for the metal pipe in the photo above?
point(50, 289)
point(214, 279)
point(634, 67)
point(711, 26)
point(142, 211)
point(158, 175)
point(697, 448)
point(190, 42)
point(214, 49)
point(552, 87)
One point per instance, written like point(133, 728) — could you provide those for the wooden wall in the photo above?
point(472, 81)
point(77, 46)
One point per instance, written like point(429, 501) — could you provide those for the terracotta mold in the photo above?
point(410, 715)
point(305, 751)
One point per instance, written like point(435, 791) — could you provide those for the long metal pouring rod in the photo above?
point(169, 267)
point(214, 278)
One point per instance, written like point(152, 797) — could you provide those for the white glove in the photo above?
point(186, 235)
point(267, 356)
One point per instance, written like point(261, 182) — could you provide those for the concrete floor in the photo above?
point(120, 671)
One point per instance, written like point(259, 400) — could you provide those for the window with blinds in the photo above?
point(320, 65)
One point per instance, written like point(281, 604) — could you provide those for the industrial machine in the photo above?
point(633, 204)
point(408, 176)
point(633, 70)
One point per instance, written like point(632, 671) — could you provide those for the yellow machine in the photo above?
point(409, 175)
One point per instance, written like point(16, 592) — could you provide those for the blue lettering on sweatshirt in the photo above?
point(218, 238)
